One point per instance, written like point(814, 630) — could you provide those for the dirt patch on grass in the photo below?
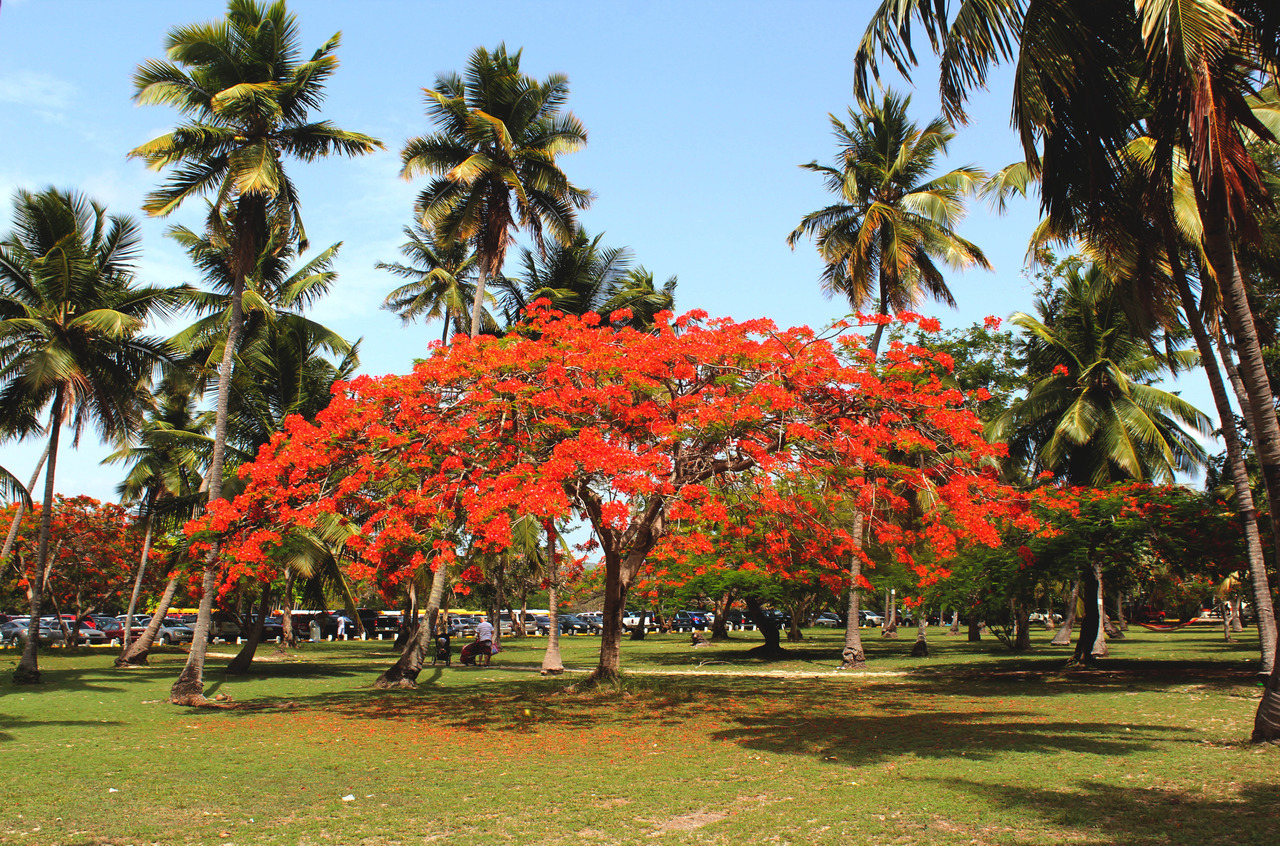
point(690, 822)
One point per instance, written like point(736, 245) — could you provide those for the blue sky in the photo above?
point(699, 115)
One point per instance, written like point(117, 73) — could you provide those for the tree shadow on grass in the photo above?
point(8, 722)
point(859, 739)
point(1137, 816)
point(830, 722)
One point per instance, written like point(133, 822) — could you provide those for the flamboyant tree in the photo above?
point(628, 430)
point(93, 549)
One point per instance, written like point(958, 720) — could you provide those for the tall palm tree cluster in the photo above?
point(1149, 127)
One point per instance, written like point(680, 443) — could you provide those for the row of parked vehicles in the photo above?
point(93, 630)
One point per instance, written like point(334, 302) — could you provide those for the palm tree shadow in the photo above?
point(1111, 815)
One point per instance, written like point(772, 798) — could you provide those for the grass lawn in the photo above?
point(972, 746)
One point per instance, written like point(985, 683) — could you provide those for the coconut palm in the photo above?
point(165, 478)
point(1092, 417)
point(893, 222)
point(1079, 70)
point(493, 161)
point(285, 364)
point(246, 98)
point(71, 339)
point(441, 282)
point(582, 277)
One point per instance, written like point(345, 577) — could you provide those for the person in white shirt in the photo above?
point(484, 638)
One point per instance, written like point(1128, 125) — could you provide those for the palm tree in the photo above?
point(441, 281)
point(70, 338)
point(246, 98)
point(282, 367)
point(1092, 417)
point(1077, 78)
point(493, 159)
point(583, 277)
point(893, 222)
point(165, 478)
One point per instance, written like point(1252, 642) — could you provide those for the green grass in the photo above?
point(972, 745)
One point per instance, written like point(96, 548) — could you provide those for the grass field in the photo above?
point(708, 746)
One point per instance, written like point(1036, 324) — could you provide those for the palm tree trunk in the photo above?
point(137, 581)
point(853, 656)
point(136, 655)
point(20, 510)
point(477, 306)
point(890, 626)
point(189, 688)
point(551, 663)
point(1063, 637)
point(287, 634)
point(921, 647)
point(1240, 482)
point(28, 669)
point(403, 674)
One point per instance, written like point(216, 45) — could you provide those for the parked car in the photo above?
point(870, 618)
point(272, 626)
point(828, 620)
point(174, 631)
point(577, 624)
point(14, 630)
point(687, 621)
point(379, 625)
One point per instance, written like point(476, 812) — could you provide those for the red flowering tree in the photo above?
point(629, 431)
point(93, 550)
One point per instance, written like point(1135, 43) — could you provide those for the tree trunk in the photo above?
point(287, 634)
point(1266, 434)
point(1063, 637)
point(921, 647)
point(1021, 627)
point(615, 604)
point(975, 626)
point(955, 622)
point(20, 510)
point(551, 663)
point(720, 622)
point(1091, 626)
point(1266, 724)
point(136, 655)
point(1237, 623)
point(189, 688)
point(137, 582)
point(403, 674)
point(890, 626)
point(772, 646)
point(477, 306)
point(1264, 609)
point(244, 659)
point(1121, 624)
point(798, 610)
point(28, 669)
point(853, 657)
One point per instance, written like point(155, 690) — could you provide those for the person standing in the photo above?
point(484, 639)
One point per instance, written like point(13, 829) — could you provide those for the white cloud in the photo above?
point(45, 93)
